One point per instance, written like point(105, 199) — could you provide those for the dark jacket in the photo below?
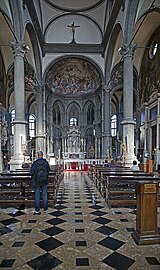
point(34, 169)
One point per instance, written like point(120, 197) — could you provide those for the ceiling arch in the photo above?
point(76, 5)
point(87, 30)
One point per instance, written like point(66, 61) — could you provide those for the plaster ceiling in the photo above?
point(88, 17)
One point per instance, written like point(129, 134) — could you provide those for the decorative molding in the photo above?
point(72, 48)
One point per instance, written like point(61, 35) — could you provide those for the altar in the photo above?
point(74, 144)
point(74, 155)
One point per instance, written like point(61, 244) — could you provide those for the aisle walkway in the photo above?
point(80, 232)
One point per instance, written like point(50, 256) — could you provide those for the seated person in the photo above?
point(135, 166)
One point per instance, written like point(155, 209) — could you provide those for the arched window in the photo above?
point(32, 126)
point(114, 125)
point(90, 115)
point(56, 115)
point(73, 121)
point(73, 115)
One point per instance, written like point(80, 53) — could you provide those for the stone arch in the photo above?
point(89, 112)
point(111, 51)
point(130, 20)
point(58, 113)
point(74, 111)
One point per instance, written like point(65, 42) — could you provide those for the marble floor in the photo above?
point(78, 232)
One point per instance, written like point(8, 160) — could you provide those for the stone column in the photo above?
point(128, 122)
point(19, 50)
point(1, 161)
point(99, 147)
point(63, 146)
point(40, 126)
point(96, 147)
point(146, 137)
point(106, 150)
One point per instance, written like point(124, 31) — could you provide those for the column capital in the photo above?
point(19, 48)
point(106, 88)
point(39, 89)
point(127, 50)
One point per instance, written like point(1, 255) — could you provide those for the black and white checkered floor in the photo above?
point(79, 232)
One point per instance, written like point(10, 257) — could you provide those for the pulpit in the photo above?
point(146, 232)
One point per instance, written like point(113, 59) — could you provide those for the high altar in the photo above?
point(74, 155)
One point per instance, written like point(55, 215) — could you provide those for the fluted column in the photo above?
point(19, 50)
point(106, 149)
point(128, 122)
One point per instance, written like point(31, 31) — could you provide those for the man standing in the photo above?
point(39, 174)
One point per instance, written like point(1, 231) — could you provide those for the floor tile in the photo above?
point(118, 261)
point(57, 213)
point(6, 263)
point(82, 262)
point(106, 230)
point(55, 221)
point(53, 231)
point(9, 221)
point(81, 243)
point(46, 261)
point(49, 244)
point(101, 220)
point(4, 230)
point(111, 243)
point(152, 261)
point(78, 232)
point(98, 213)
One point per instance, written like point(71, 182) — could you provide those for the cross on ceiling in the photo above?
point(73, 27)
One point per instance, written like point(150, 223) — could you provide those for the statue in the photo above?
point(91, 152)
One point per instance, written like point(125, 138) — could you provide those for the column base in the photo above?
point(149, 239)
point(16, 163)
point(129, 159)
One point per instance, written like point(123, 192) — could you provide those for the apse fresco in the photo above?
point(73, 76)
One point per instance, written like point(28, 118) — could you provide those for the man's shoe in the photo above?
point(45, 211)
point(36, 213)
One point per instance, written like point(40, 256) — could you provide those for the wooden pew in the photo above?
point(120, 189)
point(95, 170)
point(113, 192)
point(101, 180)
point(16, 188)
point(145, 188)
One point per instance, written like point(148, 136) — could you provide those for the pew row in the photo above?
point(16, 188)
point(143, 190)
point(117, 192)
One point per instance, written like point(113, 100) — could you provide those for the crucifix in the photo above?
point(73, 27)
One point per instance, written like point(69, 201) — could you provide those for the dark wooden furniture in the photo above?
point(115, 192)
point(133, 188)
point(146, 220)
point(16, 188)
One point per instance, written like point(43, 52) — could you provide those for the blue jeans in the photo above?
point(44, 198)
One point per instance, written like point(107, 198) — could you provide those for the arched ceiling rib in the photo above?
point(86, 29)
point(76, 5)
